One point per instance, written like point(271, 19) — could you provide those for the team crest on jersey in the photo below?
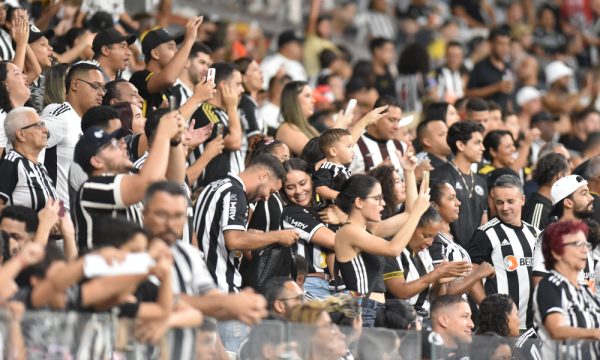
point(458, 186)
point(479, 190)
point(512, 263)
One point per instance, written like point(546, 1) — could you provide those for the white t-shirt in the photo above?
point(113, 7)
point(64, 127)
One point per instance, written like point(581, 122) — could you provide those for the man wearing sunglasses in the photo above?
point(25, 181)
point(571, 200)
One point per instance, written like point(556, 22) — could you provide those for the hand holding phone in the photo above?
point(350, 107)
point(210, 76)
point(219, 130)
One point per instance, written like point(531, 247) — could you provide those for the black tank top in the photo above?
point(362, 273)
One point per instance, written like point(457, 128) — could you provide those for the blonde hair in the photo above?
point(291, 112)
point(307, 313)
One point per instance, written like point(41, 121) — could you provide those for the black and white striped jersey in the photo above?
point(306, 223)
point(181, 93)
point(411, 267)
point(579, 307)
point(266, 215)
point(7, 52)
point(361, 273)
point(228, 161)
point(24, 182)
point(510, 250)
point(191, 277)
point(221, 206)
point(64, 130)
point(370, 152)
point(101, 196)
point(444, 248)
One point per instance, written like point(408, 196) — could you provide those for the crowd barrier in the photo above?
point(69, 335)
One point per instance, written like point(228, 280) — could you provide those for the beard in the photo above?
point(584, 212)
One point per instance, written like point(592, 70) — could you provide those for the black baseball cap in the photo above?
point(156, 37)
point(92, 141)
point(110, 36)
point(35, 34)
point(289, 36)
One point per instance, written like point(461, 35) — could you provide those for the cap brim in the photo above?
point(407, 120)
point(119, 133)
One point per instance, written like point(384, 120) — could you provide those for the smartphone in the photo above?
point(210, 76)
point(350, 107)
point(172, 101)
point(220, 130)
point(134, 264)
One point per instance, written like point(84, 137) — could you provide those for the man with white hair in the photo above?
point(24, 180)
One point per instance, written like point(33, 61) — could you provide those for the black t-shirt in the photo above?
point(473, 202)
point(484, 74)
point(472, 7)
point(385, 84)
point(151, 100)
point(537, 210)
point(572, 143)
point(228, 161)
point(435, 161)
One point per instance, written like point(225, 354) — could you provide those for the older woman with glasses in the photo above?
point(565, 309)
point(25, 181)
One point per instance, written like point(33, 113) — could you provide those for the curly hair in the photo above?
point(462, 131)
point(261, 144)
point(493, 314)
point(384, 173)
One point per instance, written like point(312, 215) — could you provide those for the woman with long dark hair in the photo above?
point(14, 92)
point(357, 250)
point(132, 120)
point(316, 240)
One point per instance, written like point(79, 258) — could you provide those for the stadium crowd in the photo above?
point(200, 182)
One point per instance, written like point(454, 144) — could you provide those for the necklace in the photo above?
point(462, 178)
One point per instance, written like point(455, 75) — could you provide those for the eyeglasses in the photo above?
point(378, 198)
point(297, 297)
point(113, 143)
point(579, 244)
point(95, 85)
point(40, 125)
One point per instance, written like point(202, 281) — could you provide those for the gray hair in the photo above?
point(508, 181)
point(14, 121)
point(592, 170)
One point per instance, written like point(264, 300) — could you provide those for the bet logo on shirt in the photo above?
point(511, 262)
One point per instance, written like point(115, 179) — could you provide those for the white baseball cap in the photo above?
point(556, 70)
point(527, 94)
point(565, 186)
point(407, 120)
